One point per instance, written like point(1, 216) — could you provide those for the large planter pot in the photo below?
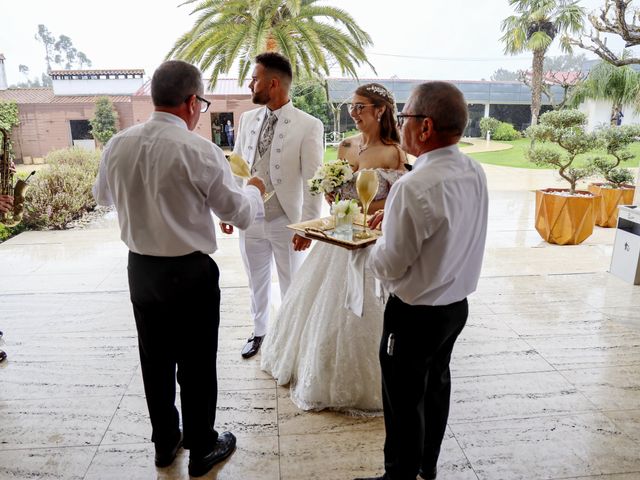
point(564, 220)
point(607, 203)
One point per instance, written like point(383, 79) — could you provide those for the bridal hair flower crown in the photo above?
point(383, 92)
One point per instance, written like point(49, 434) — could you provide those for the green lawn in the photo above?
point(515, 157)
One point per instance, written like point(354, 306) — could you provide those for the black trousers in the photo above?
point(176, 304)
point(416, 383)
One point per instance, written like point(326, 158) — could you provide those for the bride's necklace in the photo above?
point(362, 148)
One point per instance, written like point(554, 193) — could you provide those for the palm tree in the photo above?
point(229, 30)
point(533, 28)
point(618, 85)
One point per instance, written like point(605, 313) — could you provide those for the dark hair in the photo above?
point(444, 103)
point(379, 96)
point(276, 62)
point(173, 82)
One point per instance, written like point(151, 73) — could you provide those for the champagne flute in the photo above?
point(240, 168)
point(367, 187)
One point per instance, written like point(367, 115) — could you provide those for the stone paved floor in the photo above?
point(546, 376)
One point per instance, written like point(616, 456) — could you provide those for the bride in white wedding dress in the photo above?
point(326, 353)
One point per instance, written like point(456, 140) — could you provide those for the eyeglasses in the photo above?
point(205, 104)
point(358, 107)
point(401, 116)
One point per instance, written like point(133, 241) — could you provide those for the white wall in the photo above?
point(111, 86)
point(599, 112)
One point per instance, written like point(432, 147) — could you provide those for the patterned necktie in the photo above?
point(266, 137)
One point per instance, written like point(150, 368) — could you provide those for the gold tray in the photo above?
point(323, 229)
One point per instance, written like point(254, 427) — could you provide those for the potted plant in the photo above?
point(617, 189)
point(563, 216)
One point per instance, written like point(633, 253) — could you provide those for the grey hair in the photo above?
point(173, 82)
point(444, 103)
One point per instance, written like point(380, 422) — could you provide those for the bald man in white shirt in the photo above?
point(166, 182)
point(429, 259)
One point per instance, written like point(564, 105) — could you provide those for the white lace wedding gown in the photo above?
point(326, 353)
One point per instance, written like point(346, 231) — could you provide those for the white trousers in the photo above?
point(261, 244)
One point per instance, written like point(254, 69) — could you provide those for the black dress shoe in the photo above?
point(3, 355)
point(200, 465)
point(252, 346)
point(430, 474)
point(166, 456)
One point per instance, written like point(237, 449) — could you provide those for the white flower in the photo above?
point(345, 207)
point(330, 176)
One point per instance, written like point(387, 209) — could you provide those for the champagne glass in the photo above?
point(367, 187)
point(240, 168)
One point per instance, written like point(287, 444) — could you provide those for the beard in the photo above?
point(260, 98)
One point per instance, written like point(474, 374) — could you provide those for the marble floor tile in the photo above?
point(615, 476)
point(67, 463)
point(236, 373)
point(293, 421)
point(514, 396)
point(495, 357)
point(583, 351)
point(73, 421)
point(609, 388)
point(254, 458)
point(130, 424)
point(547, 447)
point(628, 421)
point(248, 412)
point(486, 327)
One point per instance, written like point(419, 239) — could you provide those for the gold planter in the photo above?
point(607, 203)
point(564, 220)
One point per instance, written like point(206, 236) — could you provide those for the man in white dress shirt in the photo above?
point(283, 145)
point(165, 182)
point(429, 259)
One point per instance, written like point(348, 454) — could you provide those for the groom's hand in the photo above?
point(300, 243)
point(226, 228)
point(376, 219)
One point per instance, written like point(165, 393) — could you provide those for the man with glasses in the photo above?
point(165, 182)
point(429, 259)
point(283, 145)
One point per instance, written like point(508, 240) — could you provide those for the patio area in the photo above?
point(546, 375)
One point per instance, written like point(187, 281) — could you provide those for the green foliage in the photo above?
point(506, 132)
point(313, 37)
point(488, 124)
point(564, 128)
point(8, 114)
point(311, 97)
point(104, 123)
point(62, 192)
point(615, 141)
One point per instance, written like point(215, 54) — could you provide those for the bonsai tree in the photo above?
point(565, 129)
point(615, 141)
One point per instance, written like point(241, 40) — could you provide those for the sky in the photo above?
point(413, 39)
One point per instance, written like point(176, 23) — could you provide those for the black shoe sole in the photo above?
point(194, 472)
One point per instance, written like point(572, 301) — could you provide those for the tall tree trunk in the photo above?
point(537, 70)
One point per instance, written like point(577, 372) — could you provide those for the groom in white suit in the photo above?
point(283, 145)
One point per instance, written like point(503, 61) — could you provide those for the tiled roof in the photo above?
point(114, 71)
point(45, 95)
point(28, 95)
point(225, 86)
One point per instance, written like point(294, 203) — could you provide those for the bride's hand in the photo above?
point(375, 220)
point(330, 197)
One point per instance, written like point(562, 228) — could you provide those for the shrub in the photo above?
point(62, 192)
point(506, 132)
point(489, 124)
point(615, 141)
point(564, 128)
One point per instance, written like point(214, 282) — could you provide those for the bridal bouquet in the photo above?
point(330, 176)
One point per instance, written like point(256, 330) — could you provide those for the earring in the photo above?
point(379, 117)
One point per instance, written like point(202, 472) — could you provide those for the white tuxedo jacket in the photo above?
point(296, 153)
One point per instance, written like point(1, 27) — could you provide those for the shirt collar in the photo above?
point(168, 118)
point(428, 157)
point(279, 111)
